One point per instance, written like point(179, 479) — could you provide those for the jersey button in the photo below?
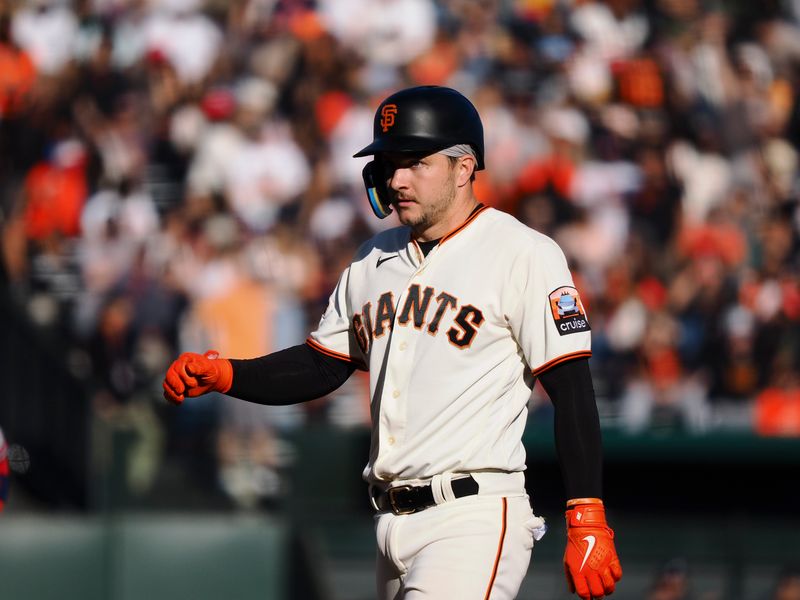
point(403, 346)
point(396, 394)
point(391, 441)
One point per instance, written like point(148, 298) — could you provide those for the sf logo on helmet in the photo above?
point(387, 116)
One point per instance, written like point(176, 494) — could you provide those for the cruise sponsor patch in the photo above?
point(567, 309)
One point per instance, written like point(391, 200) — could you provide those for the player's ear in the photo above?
point(377, 192)
point(465, 169)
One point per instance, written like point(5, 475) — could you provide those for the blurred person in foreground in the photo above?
point(787, 586)
point(452, 359)
point(671, 582)
point(3, 471)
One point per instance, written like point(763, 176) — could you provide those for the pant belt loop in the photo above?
point(436, 488)
point(373, 494)
point(447, 488)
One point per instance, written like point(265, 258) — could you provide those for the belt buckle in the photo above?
point(392, 502)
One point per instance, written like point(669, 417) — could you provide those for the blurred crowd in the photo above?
point(675, 579)
point(177, 175)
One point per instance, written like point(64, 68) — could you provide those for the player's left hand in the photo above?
point(590, 560)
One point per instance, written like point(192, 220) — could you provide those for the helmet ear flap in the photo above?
point(377, 192)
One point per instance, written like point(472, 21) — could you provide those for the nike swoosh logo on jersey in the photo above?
point(382, 260)
point(590, 539)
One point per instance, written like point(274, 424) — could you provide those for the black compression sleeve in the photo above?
point(294, 375)
point(577, 427)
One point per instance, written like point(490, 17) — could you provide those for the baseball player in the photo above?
point(454, 314)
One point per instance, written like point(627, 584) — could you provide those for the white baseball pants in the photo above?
point(472, 548)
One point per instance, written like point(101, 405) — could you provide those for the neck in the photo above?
point(455, 215)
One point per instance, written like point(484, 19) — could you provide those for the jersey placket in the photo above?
point(399, 370)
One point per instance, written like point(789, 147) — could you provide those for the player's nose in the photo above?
point(398, 179)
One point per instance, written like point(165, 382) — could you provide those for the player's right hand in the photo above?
point(194, 374)
point(590, 560)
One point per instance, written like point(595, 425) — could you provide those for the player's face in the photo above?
point(422, 187)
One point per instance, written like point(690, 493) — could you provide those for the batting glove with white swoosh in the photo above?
point(590, 560)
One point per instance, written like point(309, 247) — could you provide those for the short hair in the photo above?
point(454, 160)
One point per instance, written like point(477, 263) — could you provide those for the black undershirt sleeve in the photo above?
point(577, 427)
point(297, 374)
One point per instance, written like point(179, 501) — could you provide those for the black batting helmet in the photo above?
point(426, 118)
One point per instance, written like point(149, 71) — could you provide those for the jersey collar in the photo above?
point(472, 216)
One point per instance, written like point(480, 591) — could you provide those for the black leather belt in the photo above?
point(408, 499)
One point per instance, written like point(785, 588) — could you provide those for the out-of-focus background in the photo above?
point(176, 175)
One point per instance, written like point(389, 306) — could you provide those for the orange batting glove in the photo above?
point(195, 374)
point(590, 560)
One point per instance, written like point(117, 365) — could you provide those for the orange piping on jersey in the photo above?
point(332, 353)
point(563, 358)
point(499, 551)
point(469, 220)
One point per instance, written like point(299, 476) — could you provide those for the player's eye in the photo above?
point(418, 163)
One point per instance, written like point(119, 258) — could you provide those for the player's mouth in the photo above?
point(401, 201)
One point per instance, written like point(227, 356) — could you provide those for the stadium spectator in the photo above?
point(657, 142)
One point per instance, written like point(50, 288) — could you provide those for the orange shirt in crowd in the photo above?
point(640, 83)
point(778, 412)
point(555, 171)
point(55, 197)
point(239, 322)
point(17, 75)
point(719, 239)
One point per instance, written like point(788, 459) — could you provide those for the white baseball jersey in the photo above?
point(453, 342)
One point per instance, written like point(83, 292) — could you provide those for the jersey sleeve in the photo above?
point(334, 335)
point(548, 318)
